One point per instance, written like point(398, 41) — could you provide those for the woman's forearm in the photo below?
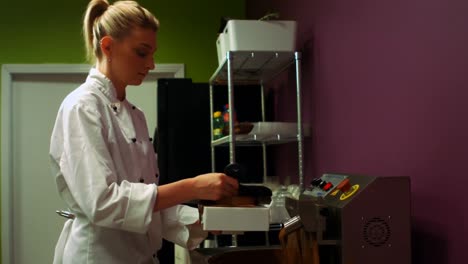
point(171, 194)
point(210, 186)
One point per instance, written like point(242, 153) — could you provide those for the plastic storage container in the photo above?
point(278, 211)
point(256, 35)
point(221, 47)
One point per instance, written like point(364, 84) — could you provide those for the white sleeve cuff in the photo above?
point(142, 199)
point(180, 226)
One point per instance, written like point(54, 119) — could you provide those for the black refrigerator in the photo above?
point(183, 134)
point(183, 129)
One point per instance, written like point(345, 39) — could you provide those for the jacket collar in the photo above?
point(104, 84)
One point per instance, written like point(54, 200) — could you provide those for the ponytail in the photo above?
point(91, 30)
point(117, 20)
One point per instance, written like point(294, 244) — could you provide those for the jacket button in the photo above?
point(157, 175)
point(150, 139)
point(133, 107)
point(142, 180)
point(133, 140)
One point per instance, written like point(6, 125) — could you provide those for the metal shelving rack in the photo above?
point(256, 68)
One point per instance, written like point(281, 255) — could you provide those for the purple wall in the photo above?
point(385, 86)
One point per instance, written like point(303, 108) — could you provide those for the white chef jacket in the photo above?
point(105, 170)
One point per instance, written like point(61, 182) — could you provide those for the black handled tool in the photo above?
point(237, 171)
point(261, 194)
point(234, 170)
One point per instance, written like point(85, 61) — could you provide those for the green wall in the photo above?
point(49, 31)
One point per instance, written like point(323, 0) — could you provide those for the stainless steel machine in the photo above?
point(353, 219)
point(356, 218)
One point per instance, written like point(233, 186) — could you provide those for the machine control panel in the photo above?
point(322, 186)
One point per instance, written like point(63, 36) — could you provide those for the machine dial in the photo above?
point(316, 182)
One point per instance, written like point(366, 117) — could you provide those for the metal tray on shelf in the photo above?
point(253, 67)
point(269, 133)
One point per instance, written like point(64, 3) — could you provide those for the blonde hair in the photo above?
point(115, 20)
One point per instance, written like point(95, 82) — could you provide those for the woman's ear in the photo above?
point(106, 46)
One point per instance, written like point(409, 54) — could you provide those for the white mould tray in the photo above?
point(217, 218)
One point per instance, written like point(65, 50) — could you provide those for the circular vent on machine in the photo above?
point(376, 232)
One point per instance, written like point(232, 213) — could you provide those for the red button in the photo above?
point(327, 186)
point(344, 186)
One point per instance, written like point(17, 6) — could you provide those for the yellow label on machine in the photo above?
point(349, 193)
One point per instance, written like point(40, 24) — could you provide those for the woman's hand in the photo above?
point(210, 186)
point(214, 186)
point(216, 232)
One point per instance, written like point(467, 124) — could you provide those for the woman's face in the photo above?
point(132, 57)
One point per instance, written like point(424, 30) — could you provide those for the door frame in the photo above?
point(9, 71)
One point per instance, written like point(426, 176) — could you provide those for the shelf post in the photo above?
point(211, 125)
point(300, 147)
point(232, 145)
point(264, 153)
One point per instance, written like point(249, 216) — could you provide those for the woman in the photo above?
point(103, 160)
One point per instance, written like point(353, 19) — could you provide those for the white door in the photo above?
point(34, 226)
